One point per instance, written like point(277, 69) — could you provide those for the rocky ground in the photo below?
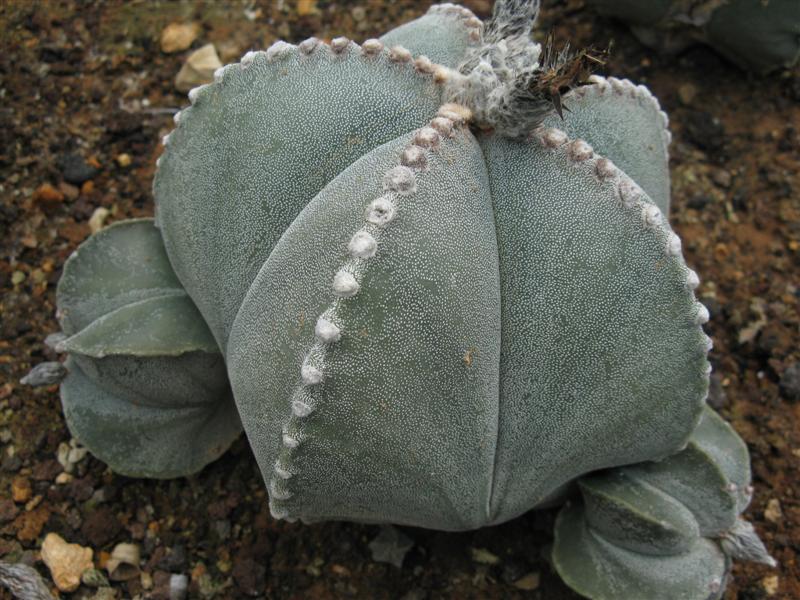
point(88, 91)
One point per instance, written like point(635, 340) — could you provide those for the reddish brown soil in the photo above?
point(89, 78)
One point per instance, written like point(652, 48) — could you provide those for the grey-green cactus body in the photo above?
point(520, 289)
point(147, 390)
point(438, 304)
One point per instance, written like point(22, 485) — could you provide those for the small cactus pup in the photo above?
point(663, 529)
point(756, 35)
point(146, 389)
point(439, 304)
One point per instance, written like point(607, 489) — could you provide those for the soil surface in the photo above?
point(87, 93)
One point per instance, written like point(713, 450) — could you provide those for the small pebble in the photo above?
point(98, 218)
point(48, 196)
point(70, 191)
point(21, 490)
point(484, 557)
point(123, 564)
point(390, 546)
point(94, 578)
point(75, 169)
point(176, 37)
point(687, 93)
point(528, 583)
point(773, 512)
point(770, 583)
point(306, 8)
point(104, 593)
point(722, 178)
point(67, 562)
point(146, 580)
point(198, 69)
point(790, 382)
point(359, 13)
point(178, 586)
point(63, 478)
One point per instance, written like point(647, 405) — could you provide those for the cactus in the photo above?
point(756, 35)
point(438, 303)
point(147, 390)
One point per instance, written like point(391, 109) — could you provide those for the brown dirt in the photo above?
point(89, 79)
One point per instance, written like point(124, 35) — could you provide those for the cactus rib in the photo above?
point(398, 183)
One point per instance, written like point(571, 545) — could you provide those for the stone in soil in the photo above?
point(705, 131)
point(123, 565)
point(198, 69)
point(250, 575)
point(67, 562)
point(48, 197)
point(175, 559)
point(176, 37)
point(30, 523)
point(94, 578)
point(773, 512)
point(8, 510)
point(790, 382)
point(390, 546)
point(100, 526)
point(21, 490)
point(75, 169)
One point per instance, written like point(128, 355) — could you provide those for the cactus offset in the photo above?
point(440, 305)
point(147, 390)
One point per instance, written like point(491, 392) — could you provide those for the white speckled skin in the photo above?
point(402, 414)
point(309, 115)
point(559, 329)
point(444, 34)
point(638, 143)
point(517, 288)
point(597, 320)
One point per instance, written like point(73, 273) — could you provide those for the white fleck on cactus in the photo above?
point(439, 305)
point(757, 35)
